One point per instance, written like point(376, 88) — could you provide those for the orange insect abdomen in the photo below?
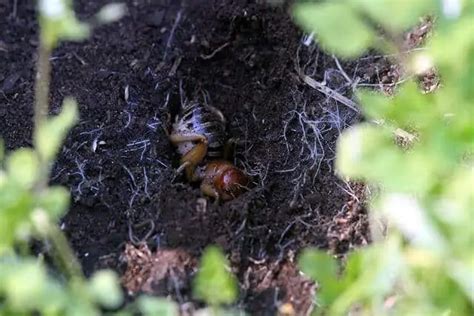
point(228, 180)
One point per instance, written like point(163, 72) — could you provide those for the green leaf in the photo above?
point(354, 266)
point(24, 286)
point(318, 265)
point(356, 145)
point(382, 264)
point(453, 49)
point(213, 283)
point(55, 201)
point(58, 22)
point(374, 104)
point(413, 109)
point(80, 307)
point(105, 288)
point(151, 306)
point(371, 275)
point(395, 15)
point(337, 26)
point(16, 204)
point(322, 268)
point(459, 197)
point(55, 298)
point(368, 152)
point(409, 108)
point(408, 215)
point(51, 134)
point(23, 167)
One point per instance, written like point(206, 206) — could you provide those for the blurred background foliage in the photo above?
point(425, 263)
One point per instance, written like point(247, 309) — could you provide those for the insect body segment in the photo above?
point(221, 179)
point(199, 134)
point(207, 121)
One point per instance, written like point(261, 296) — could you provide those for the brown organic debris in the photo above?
point(156, 273)
point(293, 292)
point(418, 35)
point(350, 227)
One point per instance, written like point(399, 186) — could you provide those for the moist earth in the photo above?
point(244, 58)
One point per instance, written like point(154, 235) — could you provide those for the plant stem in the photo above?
point(64, 254)
point(43, 74)
point(42, 82)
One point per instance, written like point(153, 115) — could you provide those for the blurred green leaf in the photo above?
point(368, 152)
point(370, 272)
point(105, 288)
point(54, 298)
point(354, 266)
point(338, 27)
point(23, 167)
point(155, 306)
point(318, 265)
point(214, 284)
point(123, 313)
point(459, 196)
point(395, 15)
point(359, 143)
point(322, 268)
point(54, 200)
point(412, 108)
point(80, 307)
point(453, 49)
point(375, 104)
point(458, 272)
point(16, 204)
point(51, 134)
point(409, 108)
point(24, 285)
point(58, 22)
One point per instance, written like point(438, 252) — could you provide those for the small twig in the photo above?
point(82, 61)
point(145, 183)
point(182, 96)
point(329, 92)
point(15, 9)
point(175, 66)
point(381, 85)
point(406, 52)
point(173, 29)
point(218, 49)
point(338, 64)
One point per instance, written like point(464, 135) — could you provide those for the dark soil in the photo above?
point(241, 57)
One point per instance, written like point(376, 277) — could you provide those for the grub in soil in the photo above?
point(239, 56)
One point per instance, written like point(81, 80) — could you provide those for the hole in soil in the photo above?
point(119, 165)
